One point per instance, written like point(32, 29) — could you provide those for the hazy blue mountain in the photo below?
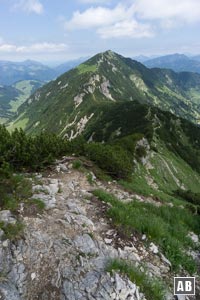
point(196, 57)
point(11, 72)
point(141, 58)
point(64, 67)
point(176, 62)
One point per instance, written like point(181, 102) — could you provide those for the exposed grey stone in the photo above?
point(108, 241)
point(155, 270)
point(153, 248)
point(85, 244)
point(164, 259)
point(99, 263)
point(63, 168)
point(181, 297)
point(193, 237)
point(144, 237)
point(1, 233)
point(49, 201)
point(5, 258)
point(54, 186)
point(37, 188)
point(82, 220)
point(68, 290)
point(119, 282)
point(90, 282)
point(8, 291)
point(68, 218)
point(7, 217)
point(74, 208)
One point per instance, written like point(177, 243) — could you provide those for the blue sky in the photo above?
point(60, 30)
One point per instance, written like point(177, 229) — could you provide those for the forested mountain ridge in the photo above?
point(107, 78)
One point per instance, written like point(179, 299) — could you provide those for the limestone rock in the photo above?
point(8, 291)
point(154, 248)
point(7, 217)
point(85, 244)
point(5, 257)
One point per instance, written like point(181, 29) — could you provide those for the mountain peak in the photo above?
point(104, 57)
point(109, 52)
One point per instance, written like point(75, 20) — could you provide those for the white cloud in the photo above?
point(110, 22)
point(126, 29)
point(7, 48)
point(169, 10)
point(134, 18)
point(98, 16)
point(29, 6)
point(34, 48)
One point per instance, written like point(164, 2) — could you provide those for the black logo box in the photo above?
point(181, 286)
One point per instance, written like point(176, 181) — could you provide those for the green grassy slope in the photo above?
point(11, 97)
point(6, 94)
point(171, 157)
point(107, 78)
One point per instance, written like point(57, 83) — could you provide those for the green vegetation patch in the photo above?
point(166, 226)
point(19, 123)
point(77, 164)
point(38, 203)
point(111, 158)
point(12, 231)
point(30, 153)
point(83, 68)
point(14, 188)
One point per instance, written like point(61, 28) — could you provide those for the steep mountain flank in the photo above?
point(76, 97)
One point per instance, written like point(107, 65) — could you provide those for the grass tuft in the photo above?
point(12, 231)
point(167, 226)
point(152, 288)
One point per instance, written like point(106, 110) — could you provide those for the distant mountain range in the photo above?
point(113, 99)
point(65, 107)
point(62, 68)
point(176, 62)
point(12, 72)
point(197, 57)
point(18, 80)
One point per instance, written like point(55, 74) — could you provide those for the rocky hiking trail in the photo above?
point(66, 248)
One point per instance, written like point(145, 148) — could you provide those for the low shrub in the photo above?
point(113, 159)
